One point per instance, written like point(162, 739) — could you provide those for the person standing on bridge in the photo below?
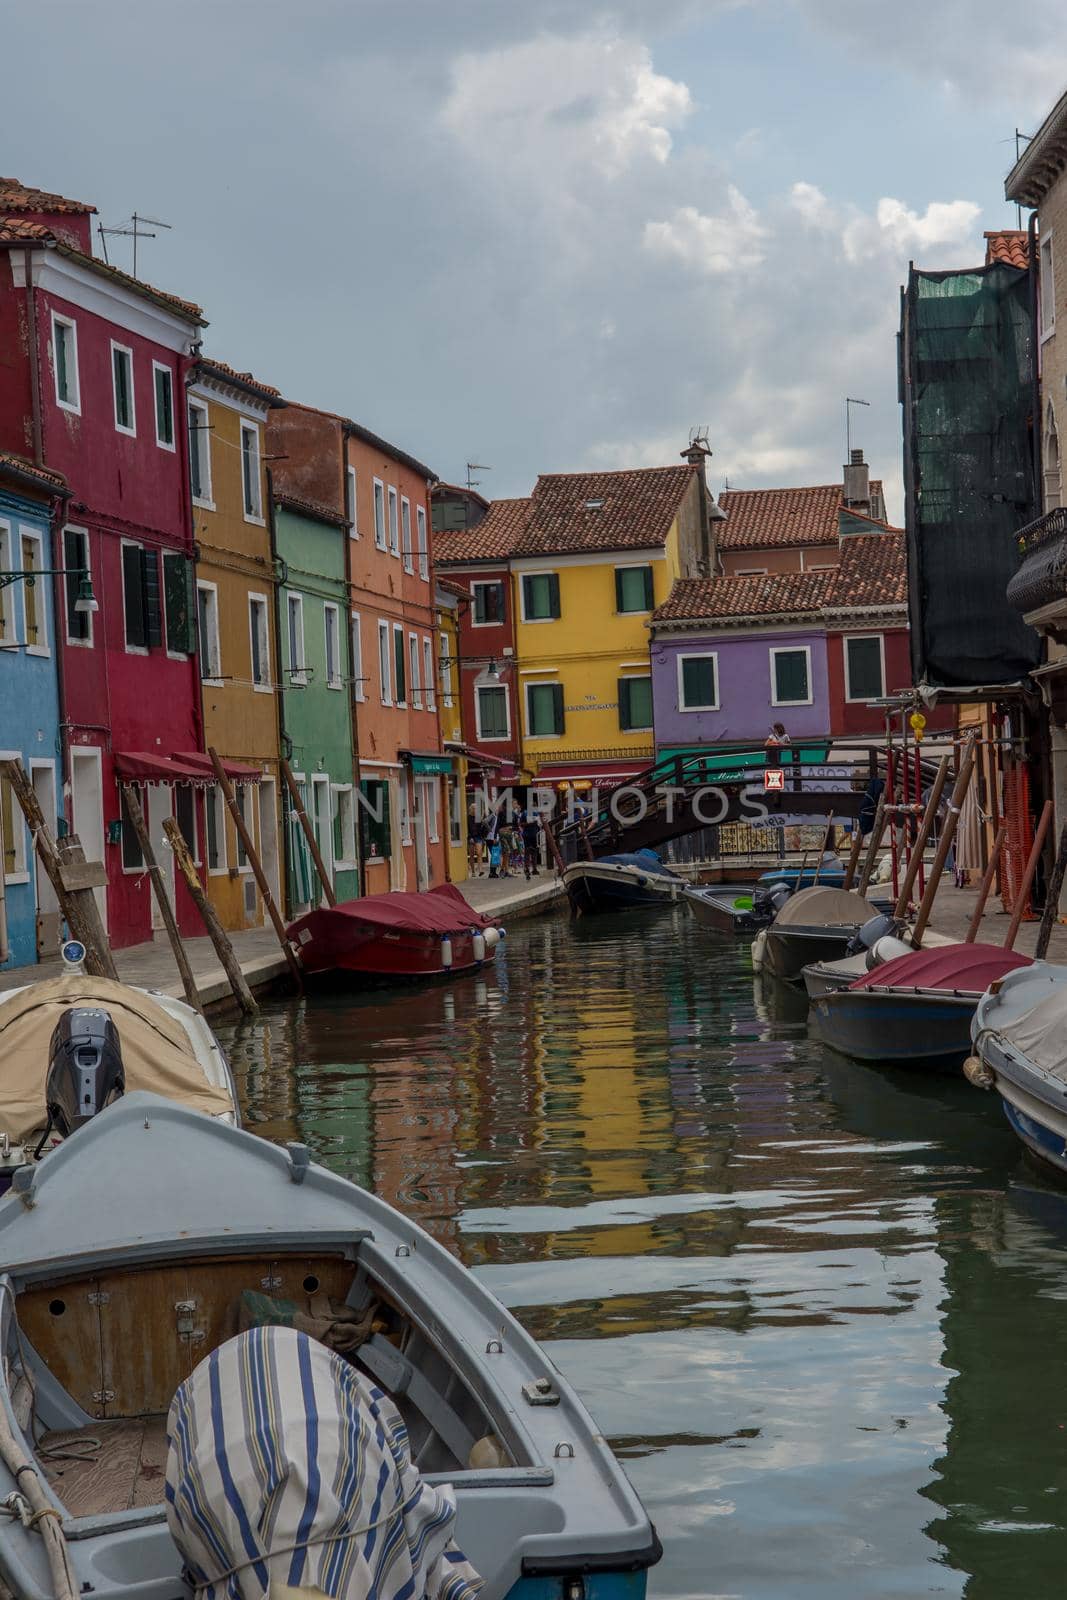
point(777, 737)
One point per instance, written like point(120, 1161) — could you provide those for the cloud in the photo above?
point(719, 244)
point(937, 236)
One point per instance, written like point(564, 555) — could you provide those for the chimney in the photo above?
point(857, 482)
point(697, 452)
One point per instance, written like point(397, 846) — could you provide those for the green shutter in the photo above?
point(635, 704)
point(698, 682)
point(553, 596)
point(620, 591)
point(790, 676)
point(650, 592)
point(624, 691)
point(133, 595)
point(178, 601)
point(557, 692)
point(153, 612)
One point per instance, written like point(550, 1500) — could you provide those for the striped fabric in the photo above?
point(287, 1464)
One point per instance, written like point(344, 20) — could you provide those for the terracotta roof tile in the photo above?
point(872, 573)
point(45, 476)
point(18, 231)
point(450, 587)
point(763, 519)
point(16, 196)
point(574, 512)
point(210, 365)
point(494, 539)
point(1010, 245)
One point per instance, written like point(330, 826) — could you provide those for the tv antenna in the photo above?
point(133, 229)
point(849, 401)
point(472, 467)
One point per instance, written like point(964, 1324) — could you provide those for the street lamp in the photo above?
point(86, 601)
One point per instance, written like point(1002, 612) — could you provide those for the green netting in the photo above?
point(969, 483)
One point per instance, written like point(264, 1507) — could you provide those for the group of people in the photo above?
point(504, 846)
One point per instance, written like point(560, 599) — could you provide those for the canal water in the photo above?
point(818, 1309)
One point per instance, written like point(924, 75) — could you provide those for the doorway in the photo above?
point(43, 778)
point(160, 808)
point(422, 844)
point(268, 835)
point(322, 822)
point(87, 811)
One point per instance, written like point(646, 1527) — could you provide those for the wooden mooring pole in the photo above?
point(948, 833)
point(257, 866)
point(223, 948)
point(877, 830)
point(911, 871)
point(987, 883)
point(1023, 896)
point(309, 833)
point(159, 889)
point(1052, 899)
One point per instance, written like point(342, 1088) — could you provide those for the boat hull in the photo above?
point(329, 944)
point(592, 889)
point(910, 1028)
point(718, 911)
point(787, 951)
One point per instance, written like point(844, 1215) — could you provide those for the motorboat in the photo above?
point(1019, 1037)
point(621, 883)
point(914, 1010)
point(815, 924)
point(727, 910)
point(432, 934)
point(141, 1246)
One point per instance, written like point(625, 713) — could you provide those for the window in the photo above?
point(444, 666)
point(751, 572)
point(405, 809)
point(344, 826)
point(122, 388)
point(1047, 286)
point(633, 589)
point(544, 710)
point(253, 502)
point(394, 529)
point(374, 827)
point(257, 629)
point(405, 534)
point(350, 502)
point(429, 790)
point(635, 704)
point(385, 677)
point(379, 514)
point(163, 379)
point(65, 362)
point(427, 675)
point(8, 631)
point(424, 549)
point(416, 680)
point(185, 815)
point(455, 813)
point(12, 833)
point(76, 561)
point(199, 452)
point(34, 595)
point(294, 612)
point(215, 811)
point(357, 657)
point(178, 602)
point(332, 624)
point(487, 603)
point(399, 669)
point(240, 795)
point(698, 688)
point(540, 596)
point(791, 677)
point(207, 620)
point(141, 598)
point(491, 711)
point(864, 668)
point(132, 854)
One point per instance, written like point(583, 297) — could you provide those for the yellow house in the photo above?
point(597, 553)
point(235, 595)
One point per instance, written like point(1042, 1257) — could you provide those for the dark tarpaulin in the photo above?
point(440, 910)
point(968, 967)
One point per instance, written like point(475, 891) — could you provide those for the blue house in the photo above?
point(29, 701)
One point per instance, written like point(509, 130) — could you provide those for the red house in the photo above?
point(94, 388)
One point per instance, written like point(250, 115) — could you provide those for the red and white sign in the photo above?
point(774, 778)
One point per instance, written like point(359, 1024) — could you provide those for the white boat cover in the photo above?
point(157, 1053)
point(1030, 1014)
point(286, 1464)
point(820, 907)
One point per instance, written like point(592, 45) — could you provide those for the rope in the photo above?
point(291, 1549)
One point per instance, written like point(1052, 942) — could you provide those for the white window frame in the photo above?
point(161, 366)
point(537, 622)
point(214, 800)
point(455, 814)
point(200, 440)
point(203, 587)
point(380, 538)
point(414, 672)
point(8, 552)
point(489, 583)
point(698, 655)
point(491, 738)
point(74, 527)
point(428, 694)
point(1046, 276)
point(350, 482)
point(250, 428)
point(296, 675)
point(423, 545)
point(41, 590)
point(131, 432)
point(259, 600)
point(385, 662)
point(393, 522)
point(139, 649)
point(73, 406)
point(789, 650)
point(637, 566)
point(401, 704)
point(444, 667)
point(405, 534)
point(347, 861)
point(646, 677)
point(356, 629)
point(331, 614)
point(846, 640)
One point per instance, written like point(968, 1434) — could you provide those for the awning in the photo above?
point(429, 761)
point(236, 771)
point(602, 775)
point(479, 757)
point(141, 766)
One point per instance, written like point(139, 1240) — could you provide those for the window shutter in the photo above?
point(178, 601)
point(152, 609)
point(557, 702)
point(133, 594)
point(399, 667)
point(625, 719)
point(620, 598)
point(553, 603)
point(650, 594)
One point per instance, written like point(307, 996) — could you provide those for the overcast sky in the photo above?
point(545, 234)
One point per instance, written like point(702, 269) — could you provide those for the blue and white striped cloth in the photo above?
point(287, 1464)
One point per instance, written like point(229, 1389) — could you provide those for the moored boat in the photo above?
point(814, 924)
point(621, 883)
point(1019, 1036)
point(146, 1243)
point(395, 936)
point(915, 1010)
point(726, 910)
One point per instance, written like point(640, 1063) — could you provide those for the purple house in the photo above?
point(733, 656)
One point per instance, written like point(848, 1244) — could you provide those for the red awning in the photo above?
point(601, 775)
point(493, 763)
point(141, 766)
point(236, 771)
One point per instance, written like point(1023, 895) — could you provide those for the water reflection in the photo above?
point(815, 1305)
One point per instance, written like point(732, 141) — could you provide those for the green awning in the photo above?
point(429, 764)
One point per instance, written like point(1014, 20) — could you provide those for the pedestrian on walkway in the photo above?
point(531, 844)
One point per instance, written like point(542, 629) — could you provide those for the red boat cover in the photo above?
point(970, 967)
point(440, 910)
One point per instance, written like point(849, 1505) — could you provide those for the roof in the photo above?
point(358, 431)
point(760, 519)
point(458, 589)
point(871, 575)
point(16, 196)
point(30, 473)
point(494, 539)
point(572, 513)
point(310, 508)
point(1043, 160)
point(1010, 245)
point(16, 232)
point(244, 381)
point(442, 489)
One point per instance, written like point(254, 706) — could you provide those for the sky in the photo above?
point(548, 235)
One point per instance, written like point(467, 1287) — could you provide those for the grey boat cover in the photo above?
point(1030, 1014)
point(820, 907)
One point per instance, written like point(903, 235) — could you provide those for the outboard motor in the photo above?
point(875, 928)
point(769, 899)
point(85, 1071)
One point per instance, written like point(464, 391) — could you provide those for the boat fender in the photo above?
point(492, 938)
point(487, 1453)
point(976, 1072)
point(759, 944)
point(478, 943)
point(446, 951)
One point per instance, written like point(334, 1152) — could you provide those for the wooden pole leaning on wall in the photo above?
point(911, 871)
point(987, 883)
point(217, 933)
point(877, 830)
point(71, 876)
point(853, 856)
point(309, 833)
point(1052, 898)
point(1023, 896)
point(827, 836)
point(257, 866)
point(159, 889)
point(948, 834)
